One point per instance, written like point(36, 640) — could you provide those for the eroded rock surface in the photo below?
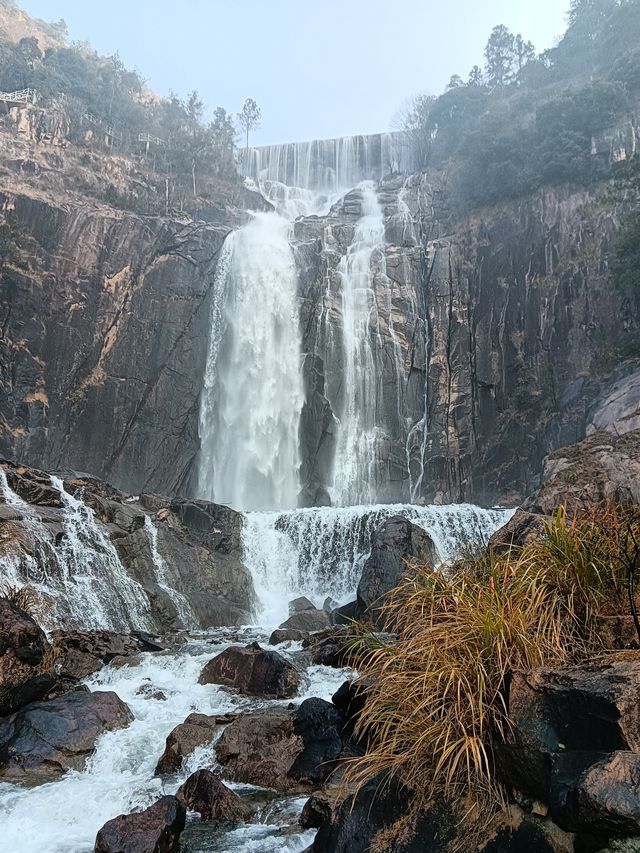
point(154, 830)
point(254, 671)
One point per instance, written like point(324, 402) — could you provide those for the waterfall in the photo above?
point(330, 164)
point(320, 552)
point(253, 392)
point(77, 576)
point(183, 608)
point(359, 431)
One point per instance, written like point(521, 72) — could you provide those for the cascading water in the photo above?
point(358, 435)
point(183, 608)
point(253, 393)
point(320, 552)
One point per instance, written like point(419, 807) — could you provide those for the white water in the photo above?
point(355, 464)
point(320, 552)
point(330, 164)
point(64, 816)
point(253, 393)
point(181, 603)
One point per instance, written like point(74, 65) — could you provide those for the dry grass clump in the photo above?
point(22, 597)
point(436, 697)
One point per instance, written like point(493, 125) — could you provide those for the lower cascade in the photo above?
point(320, 552)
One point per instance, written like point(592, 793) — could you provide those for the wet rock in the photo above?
point(154, 830)
point(283, 749)
point(307, 620)
point(317, 809)
point(346, 614)
point(205, 793)
point(24, 674)
point(608, 796)
point(287, 635)
point(358, 819)
point(45, 739)
point(350, 699)
point(81, 653)
point(197, 729)
point(329, 604)
point(298, 605)
point(253, 671)
point(397, 543)
point(329, 648)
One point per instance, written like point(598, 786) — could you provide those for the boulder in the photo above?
point(154, 830)
point(350, 699)
point(81, 653)
point(45, 739)
point(317, 809)
point(397, 544)
point(289, 750)
point(329, 648)
point(287, 635)
point(346, 614)
point(253, 671)
point(24, 675)
point(307, 620)
point(608, 796)
point(603, 467)
point(522, 528)
point(196, 730)
point(205, 793)
point(299, 605)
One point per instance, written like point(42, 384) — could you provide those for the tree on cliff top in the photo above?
point(249, 118)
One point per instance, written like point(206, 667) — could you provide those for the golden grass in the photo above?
point(436, 696)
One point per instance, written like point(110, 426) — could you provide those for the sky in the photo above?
point(317, 68)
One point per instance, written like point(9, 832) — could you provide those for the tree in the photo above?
point(476, 76)
point(455, 82)
point(249, 118)
point(223, 135)
point(525, 52)
point(500, 56)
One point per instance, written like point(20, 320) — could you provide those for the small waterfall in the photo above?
point(183, 608)
point(78, 576)
point(320, 552)
point(104, 593)
point(359, 431)
point(253, 393)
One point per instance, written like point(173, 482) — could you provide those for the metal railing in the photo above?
point(23, 96)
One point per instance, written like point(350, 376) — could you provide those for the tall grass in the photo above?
point(436, 696)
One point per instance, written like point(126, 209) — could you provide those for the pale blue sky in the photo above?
point(317, 68)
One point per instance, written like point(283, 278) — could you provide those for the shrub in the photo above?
point(436, 697)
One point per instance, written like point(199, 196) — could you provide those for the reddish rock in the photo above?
point(196, 730)
point(254, 671)
point(154, 830)
point(205, 793)
point(45, 739)
point(23, 646)
point(283, 749)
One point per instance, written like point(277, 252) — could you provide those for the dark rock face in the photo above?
point(205, 793)
point(377, 807)
point(396, 542)
point(575, 745)
point(316, 810)
point(522, 528)
point(286, 750)
point(23, 647)
point(329, 648)
point(154, 830)
point(196, 730)
point(45, 739)
point(81, 653)
point(254, 671)
point(199, 542)
point(100, 285)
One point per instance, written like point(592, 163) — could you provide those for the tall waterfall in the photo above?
point(358, 433)
point(253, 392)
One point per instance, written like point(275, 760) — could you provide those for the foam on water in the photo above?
point(64, 816)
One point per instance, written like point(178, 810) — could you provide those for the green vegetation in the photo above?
point(436, 697)
point(109, 105)
point(528, 120)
